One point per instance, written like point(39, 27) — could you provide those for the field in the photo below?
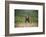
point(20, 17)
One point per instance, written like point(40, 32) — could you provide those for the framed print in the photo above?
point(24, 18)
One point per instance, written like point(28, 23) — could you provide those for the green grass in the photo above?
point(20, 16)
point(21, 19)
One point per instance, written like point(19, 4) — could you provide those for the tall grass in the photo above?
point(20, 16)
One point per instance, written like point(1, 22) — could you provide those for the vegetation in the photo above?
point(21, 14)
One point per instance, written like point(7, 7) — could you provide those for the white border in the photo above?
point(13, 30)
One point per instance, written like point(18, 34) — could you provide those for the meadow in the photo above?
point(21, 14)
